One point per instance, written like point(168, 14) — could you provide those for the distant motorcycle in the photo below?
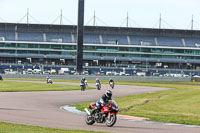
point(108, 114)
point(86, 84)
point(49, 81)
point(98, 86)
point(1, 78)
point(112, 85)
point(83, 86)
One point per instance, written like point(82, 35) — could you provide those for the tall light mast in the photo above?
point(80, 29)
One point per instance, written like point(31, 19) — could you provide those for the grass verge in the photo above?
point(180, 105)
point(106, 82)
point(18, 128)
point(12, 86)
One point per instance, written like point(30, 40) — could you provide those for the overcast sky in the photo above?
point(142, 13)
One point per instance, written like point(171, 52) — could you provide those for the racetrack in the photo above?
point(43, 109)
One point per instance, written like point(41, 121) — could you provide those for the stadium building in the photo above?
point(103, 46)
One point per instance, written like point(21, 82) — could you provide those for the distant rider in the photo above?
point(48, 77)
point(83, 83)
point(111, 81)
point(86, 84)
point(82, 80)
point(98, 83)
point(1, 78)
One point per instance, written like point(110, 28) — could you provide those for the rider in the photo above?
point(83, 80)
point(1, 78)
point(98, 81)
point(48, 77)
point(111, 81)
point(86, 84)
point(103, 100)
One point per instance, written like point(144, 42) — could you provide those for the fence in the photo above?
point(93, 77)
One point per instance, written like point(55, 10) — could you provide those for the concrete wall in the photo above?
point(93, 77)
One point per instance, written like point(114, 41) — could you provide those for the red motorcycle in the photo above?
point(108, 114)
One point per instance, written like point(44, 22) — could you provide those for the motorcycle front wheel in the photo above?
point(82, 88)
point(89, 120)
point(111, 121)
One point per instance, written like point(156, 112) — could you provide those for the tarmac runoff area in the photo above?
point(43, 109)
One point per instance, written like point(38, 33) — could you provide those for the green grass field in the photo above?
point(12, 86)
point(179, 105)
point(18, 128)
point(106, 81)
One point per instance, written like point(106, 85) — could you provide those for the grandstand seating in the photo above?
point(30, 36)
point(58, 37)
point(142, 40)
point(114, 39)
point(91, 38)
point(95, 39)
point(7, 35)
point(190, 42)
point(170, 41)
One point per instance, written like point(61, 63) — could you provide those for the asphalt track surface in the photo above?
point(43, 109)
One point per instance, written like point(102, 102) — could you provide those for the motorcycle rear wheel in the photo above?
point(89, 120)
point(110, 122)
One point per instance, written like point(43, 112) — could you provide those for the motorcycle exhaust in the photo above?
point(88, 112)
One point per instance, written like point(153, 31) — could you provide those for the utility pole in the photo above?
point(80, 29)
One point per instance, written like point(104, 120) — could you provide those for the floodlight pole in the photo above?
point(127, 20)
point(94, 23)
point(61, 17)
point(160, 22)
point(80, 28)
point(27, 16)
point(192, 25)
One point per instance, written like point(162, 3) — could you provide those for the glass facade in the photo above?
point(111, 50)
point(105, 53)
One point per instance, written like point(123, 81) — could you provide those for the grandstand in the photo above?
point(103, 46)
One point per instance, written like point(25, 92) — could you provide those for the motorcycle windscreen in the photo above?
point(114, 103)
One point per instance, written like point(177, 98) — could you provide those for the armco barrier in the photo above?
point(93, 77)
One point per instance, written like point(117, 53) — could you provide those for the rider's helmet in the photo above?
point(108, 94)
point(110, 78)
point(83, 78)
